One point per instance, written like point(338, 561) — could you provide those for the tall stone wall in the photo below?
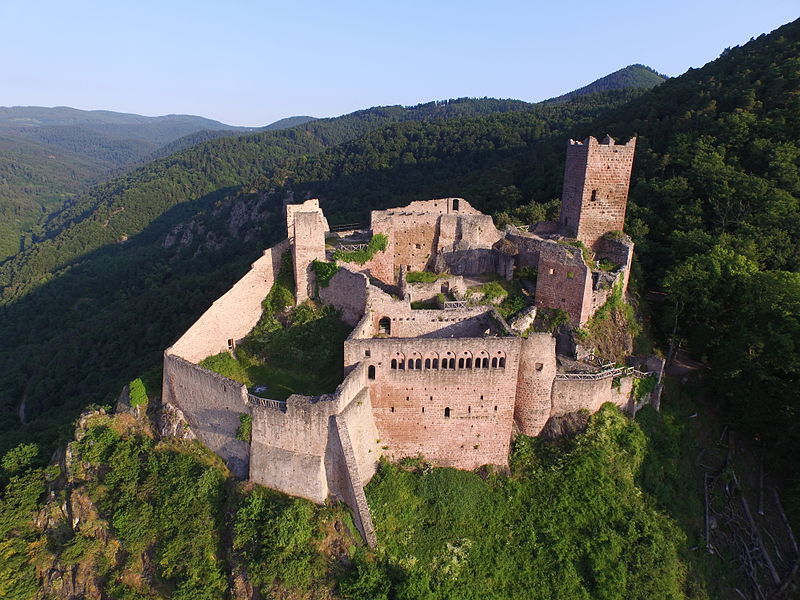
point(347, 291)
point(596, 182)
point(212, 405)
point(564, 282)
point(234, 314)
point(571, 396)
point(308, 245)
point(620, 252)
point(460, 417)
point(288, 447)
point(537, 369)
point(296, 450)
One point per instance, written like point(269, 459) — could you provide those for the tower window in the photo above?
point(371, 372)
point(455, 203)
point(447, 413)
point(594, 195)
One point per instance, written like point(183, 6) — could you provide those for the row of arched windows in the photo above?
point(449, 362)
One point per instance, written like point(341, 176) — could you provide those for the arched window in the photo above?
point(385, 326)
point(494, 362)
point(486, 362)
point(594, 195)
point(460, 363)
point(468, 363)
point(402, 364)
point(435, 363)
point(410, 363)
point(427, 363)
point(452, 363)
point(447, 413)
point(371, 372)
point(394, 363)
point(418, 363)
point(502, 362)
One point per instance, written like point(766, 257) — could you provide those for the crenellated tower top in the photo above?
point(596, 181)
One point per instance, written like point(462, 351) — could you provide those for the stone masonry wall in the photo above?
point(234, 314)
point(537, 368)
point(596, 182)
point(308, 244)
point(619, 252)
point(347, 291)
point(564, 282)
point(288, 448)
point(570, 396)
point(460, 417)
point(211, 404)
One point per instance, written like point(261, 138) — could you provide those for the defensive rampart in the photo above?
point(234, 314)
point(212, 405)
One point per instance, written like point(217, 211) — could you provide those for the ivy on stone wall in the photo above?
point(324, 271)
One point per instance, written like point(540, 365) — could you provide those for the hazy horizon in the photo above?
point(253, 63)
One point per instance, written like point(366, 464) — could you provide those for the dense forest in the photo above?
point(119, 273)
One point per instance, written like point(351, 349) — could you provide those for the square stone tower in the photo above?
point(596, 181)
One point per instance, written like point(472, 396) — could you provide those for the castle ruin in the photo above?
point(452, 382)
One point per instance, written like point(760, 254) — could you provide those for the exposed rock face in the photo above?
point(567, 425)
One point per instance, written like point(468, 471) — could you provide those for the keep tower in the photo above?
point(597, 176)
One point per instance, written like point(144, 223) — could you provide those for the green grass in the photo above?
point(305, 356)
point(568, 523)
point(423, 277)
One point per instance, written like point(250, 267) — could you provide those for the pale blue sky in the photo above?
point(246, 62)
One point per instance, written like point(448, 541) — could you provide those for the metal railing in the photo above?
point(352, 247)
point(605, 374)
point(269, 403)
point(348, 226)
point(454, 304)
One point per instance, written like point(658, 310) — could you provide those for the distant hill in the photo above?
point(632, 76)
point(47, 155)
point(288, 122)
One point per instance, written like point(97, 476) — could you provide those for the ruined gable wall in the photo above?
point(619, 252)
point(234, 314)
point(347, 291)
point(528, 246)
point(212, 404)
point(537, 368)
point(308, 244)
point(407, 322)
point(564, 282)
point(573, 188)
point(570, 396)
point(481, 401)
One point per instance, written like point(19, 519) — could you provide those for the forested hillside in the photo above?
point(631, 77)
point(48, 155)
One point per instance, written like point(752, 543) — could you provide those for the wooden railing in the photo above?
point(604, 374)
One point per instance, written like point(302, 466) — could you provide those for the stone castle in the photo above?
point(453, 383)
